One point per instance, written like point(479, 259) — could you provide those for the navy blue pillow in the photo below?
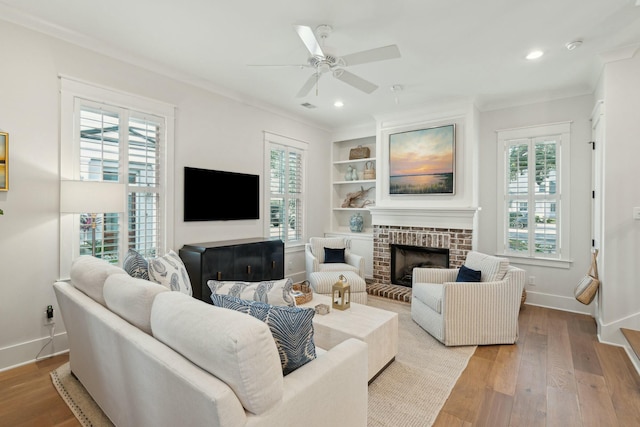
point(333, 255)
point(465, 274)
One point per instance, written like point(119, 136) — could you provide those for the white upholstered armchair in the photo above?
point(315, 256)
point(469, 313)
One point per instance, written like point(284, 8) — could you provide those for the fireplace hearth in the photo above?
point(405, 258)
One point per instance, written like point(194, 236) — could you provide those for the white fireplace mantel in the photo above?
point(461, 218)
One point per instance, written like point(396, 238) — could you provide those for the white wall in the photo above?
point(554, 286)
point(211, 131)
point(620, 252)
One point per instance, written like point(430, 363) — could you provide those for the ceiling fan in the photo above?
point(322, 61)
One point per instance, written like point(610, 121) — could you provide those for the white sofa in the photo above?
point(152, 357)
point(466, 313)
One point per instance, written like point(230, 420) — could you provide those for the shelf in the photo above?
point(360, 181)
point(365, 234)
point(346, 162)
point(353, 209)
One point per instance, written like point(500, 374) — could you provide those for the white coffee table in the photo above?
point(378, 328)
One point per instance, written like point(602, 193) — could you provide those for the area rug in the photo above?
point(413, 389)
point(85, 409)
point(409, 392)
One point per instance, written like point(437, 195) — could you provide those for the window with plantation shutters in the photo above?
point(106, 138)
point(534, 205)
point(285, 193)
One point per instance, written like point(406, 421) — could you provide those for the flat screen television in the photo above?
point(213, 195)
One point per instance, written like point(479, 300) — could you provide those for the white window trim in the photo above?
point(275, 139)
point(563, 129)
point(70, 89)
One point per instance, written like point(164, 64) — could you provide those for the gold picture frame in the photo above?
point(4, 161)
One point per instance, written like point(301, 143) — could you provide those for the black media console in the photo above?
point(247, 260)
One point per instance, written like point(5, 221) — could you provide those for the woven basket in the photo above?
point(523, 298)
point(307, 292)
point(369, 171)
point(359, 152)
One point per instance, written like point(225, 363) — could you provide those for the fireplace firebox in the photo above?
point(405, 258)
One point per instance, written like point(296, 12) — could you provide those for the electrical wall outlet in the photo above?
point(48, 315)
point(532, 280)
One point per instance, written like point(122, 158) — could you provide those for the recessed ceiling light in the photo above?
point(535, 54)
point(338, 104)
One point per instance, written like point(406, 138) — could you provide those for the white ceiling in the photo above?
point(451, 49)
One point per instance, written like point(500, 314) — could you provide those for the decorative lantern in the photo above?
point(341, 297)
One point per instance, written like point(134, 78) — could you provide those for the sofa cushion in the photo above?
point(492, 268)
point(334, 255)
point(274, 292)
point(89, 273)
point(319, 243)
point(131, 298)
point(430, 294)
point(236, 348)
point(466, 274)
point(291, 327)
point(169, 271)
point(135, 265)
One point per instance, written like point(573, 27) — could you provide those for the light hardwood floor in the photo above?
point(556, 375)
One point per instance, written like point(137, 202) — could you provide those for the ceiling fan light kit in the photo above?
point(323, 62)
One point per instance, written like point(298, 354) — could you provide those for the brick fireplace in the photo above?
point(457, 241)
point(435, 228)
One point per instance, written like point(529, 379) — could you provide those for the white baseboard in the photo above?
point(610, 333)
point(25, 353)
point(298, 277)
point(558, 302)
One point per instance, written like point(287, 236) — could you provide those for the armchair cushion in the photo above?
point(430, 294)
point(492, 268)
point(466, 274)
point(334, 255)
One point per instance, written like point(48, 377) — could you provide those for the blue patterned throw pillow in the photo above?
point(135, 265)
point(169, 271)
point(274, 292)
point(291, 327)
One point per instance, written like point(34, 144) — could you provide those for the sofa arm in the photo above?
point(434, 275)
point(356, 261)
point(481, 313)
point(311, 262)
point(328, 391)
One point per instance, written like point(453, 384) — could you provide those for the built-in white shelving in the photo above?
point(360, 243)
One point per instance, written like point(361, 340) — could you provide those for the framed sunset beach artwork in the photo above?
point(423, 161)
point(4, 161)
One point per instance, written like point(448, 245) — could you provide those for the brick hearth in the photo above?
point(394, 292)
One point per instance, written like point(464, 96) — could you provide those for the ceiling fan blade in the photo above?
point(355, 81)
point(309, 39)
point(309, 84)
point(372, 55)
point(280, 65)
